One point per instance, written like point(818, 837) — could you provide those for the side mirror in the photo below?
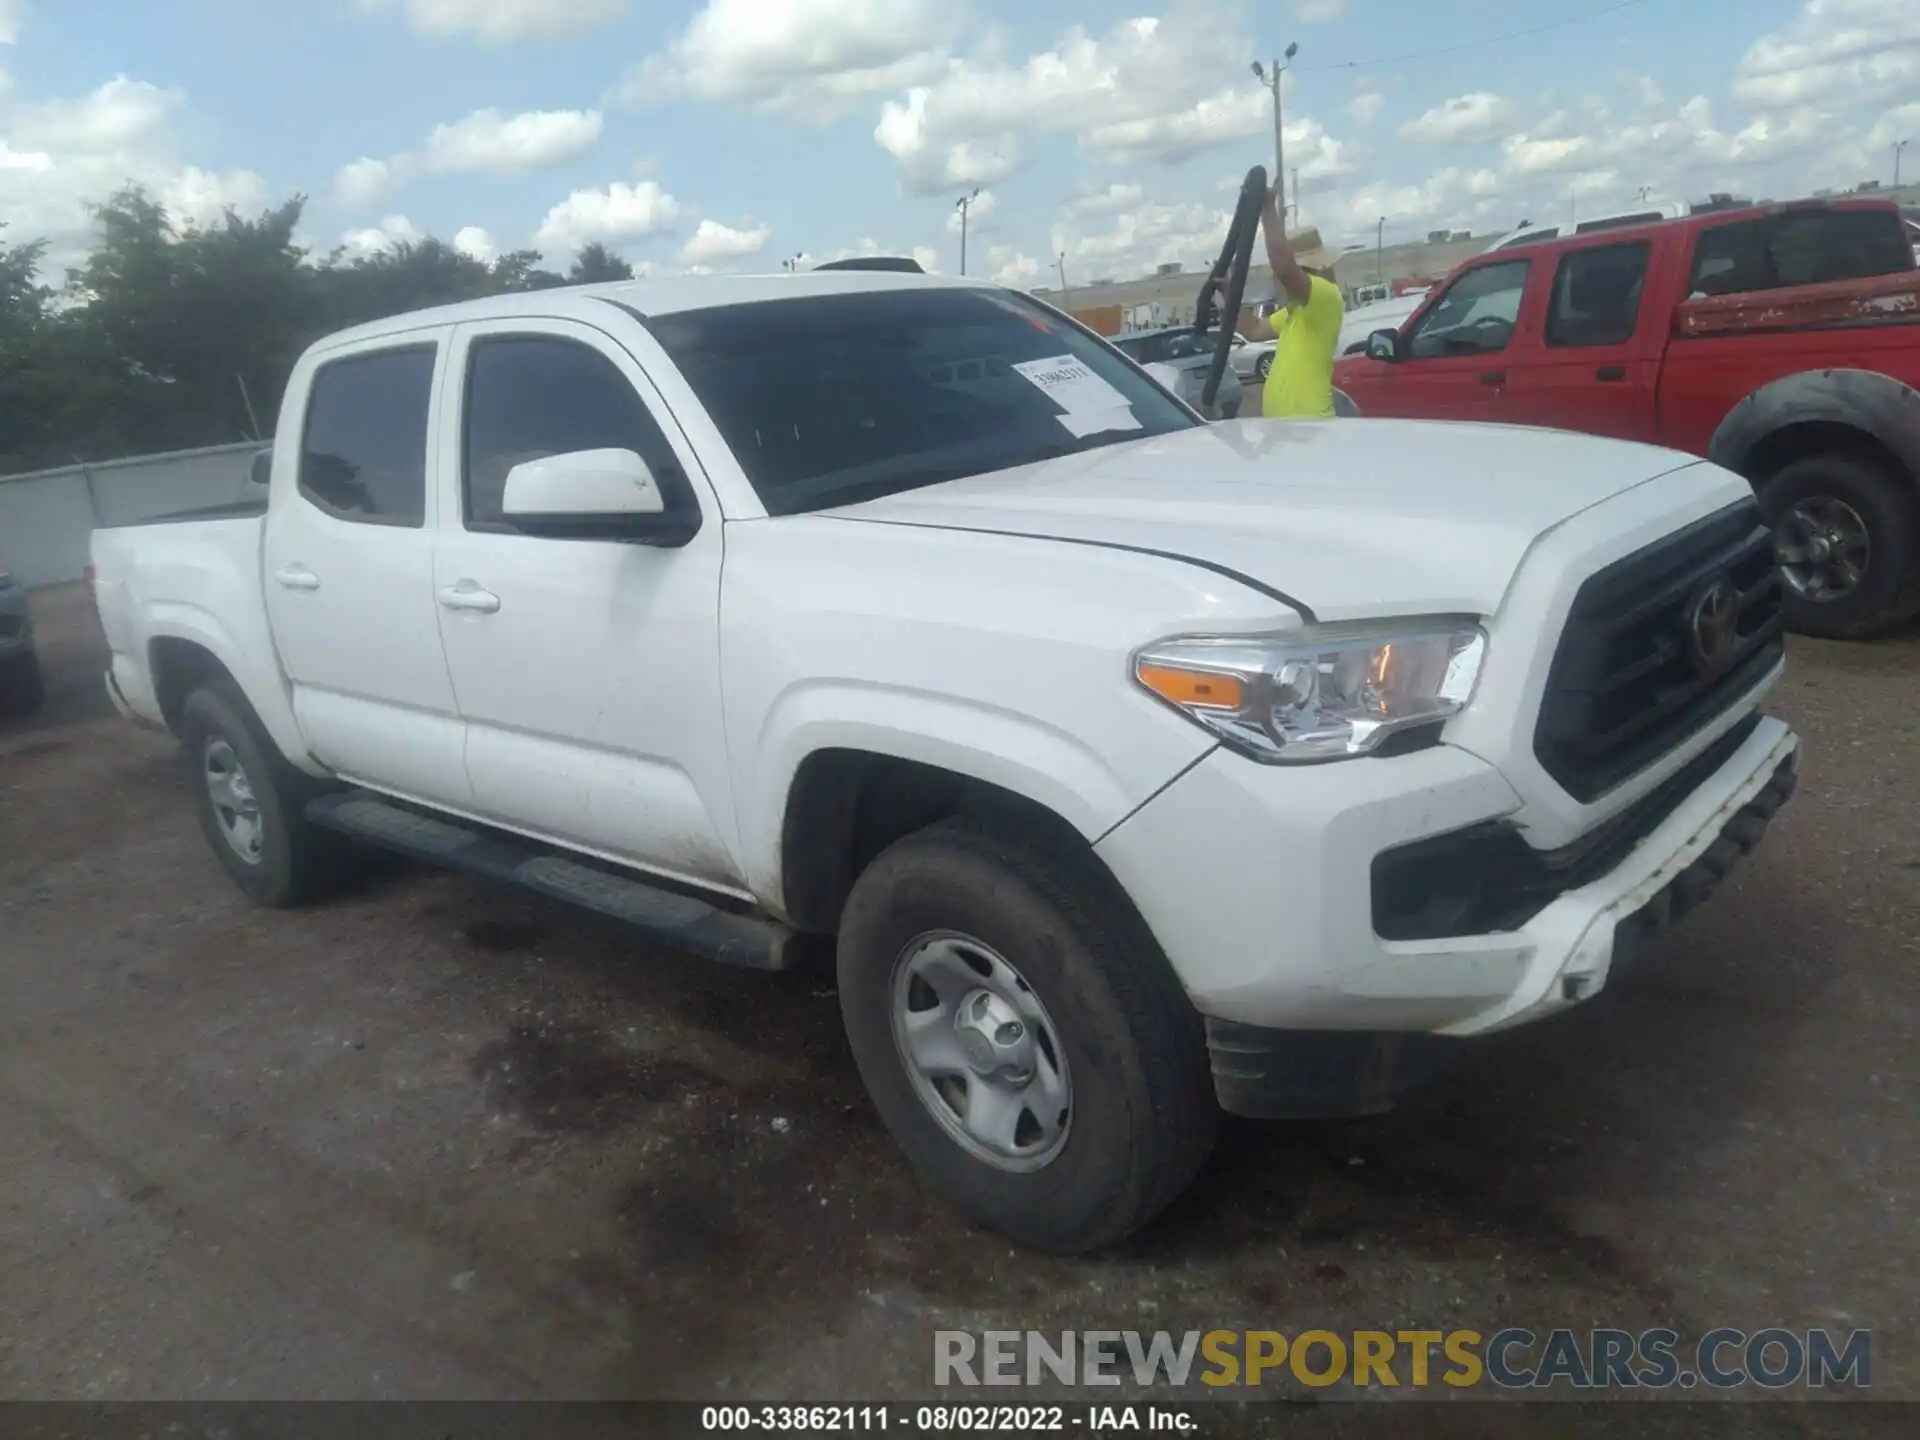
point(591, 495)
point(261, 470)
point(1384, 345)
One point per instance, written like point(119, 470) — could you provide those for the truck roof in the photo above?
point(1544, 237)
point(655, 297)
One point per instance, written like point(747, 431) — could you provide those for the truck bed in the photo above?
point(252, 508)
point(1876, 300)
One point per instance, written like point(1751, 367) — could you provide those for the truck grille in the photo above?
point(1656, 646)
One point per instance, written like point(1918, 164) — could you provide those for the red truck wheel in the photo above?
point(1844, 535)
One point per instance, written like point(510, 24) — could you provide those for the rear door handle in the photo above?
point(296, 577)
point(469, 597)
point(1611, 372)
point(1493, 377)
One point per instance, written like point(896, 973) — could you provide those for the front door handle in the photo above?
point(296, 577)
point(1611, 372)
point(1493, 377)
point(469, 597)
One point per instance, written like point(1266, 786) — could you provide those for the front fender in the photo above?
point(1055, 769)
point(1864, 400)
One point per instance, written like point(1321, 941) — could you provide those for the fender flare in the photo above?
point(1865, 400)
point(173, 620)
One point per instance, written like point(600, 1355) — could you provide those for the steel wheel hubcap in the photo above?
point(1822, 547)
point(235, 808)
point(981, 1050)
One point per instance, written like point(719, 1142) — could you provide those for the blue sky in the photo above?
point(740, 133)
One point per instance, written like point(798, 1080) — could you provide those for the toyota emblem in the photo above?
point(1713, 625)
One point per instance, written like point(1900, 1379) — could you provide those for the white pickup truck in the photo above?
point(1141, 767)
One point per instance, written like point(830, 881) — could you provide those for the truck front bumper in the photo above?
point(1270, 888)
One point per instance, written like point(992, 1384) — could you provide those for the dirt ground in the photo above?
point(433, 1140)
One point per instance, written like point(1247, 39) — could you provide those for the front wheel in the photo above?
point(1022, 1036)
point(1844, 533)
point(1263, 367)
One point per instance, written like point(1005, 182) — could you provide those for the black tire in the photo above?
point(1263, 367)
point(23, 689)
point(1143, 1117)
point(1887, 506)
point(297, 861)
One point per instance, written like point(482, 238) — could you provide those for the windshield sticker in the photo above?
point(1090, 403)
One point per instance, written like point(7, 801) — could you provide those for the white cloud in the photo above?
point(531, 140)
point(12, 13)
point(484, 140)
point(1835, 51)
point(364, 182)
point(985, 205)
point(1148, 89)
point(617, 214)
point(1116, 196)
point(476, 244)
point(814, 56)
point(1318, 12)
point(1142, 238)
point(61, 155)
point(498, 22)
point(1460, 120)
point(1012, 268)
point(394, 231)
point(199, 198)
point(928, 258)
point(712, 243)
point(1365, 107)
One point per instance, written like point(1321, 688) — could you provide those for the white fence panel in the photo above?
point(47, 518)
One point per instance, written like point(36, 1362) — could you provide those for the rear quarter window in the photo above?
point(1809, 247)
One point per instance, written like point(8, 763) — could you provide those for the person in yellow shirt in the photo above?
point(1307, 330)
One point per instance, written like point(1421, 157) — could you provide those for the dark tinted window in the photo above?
point(364, 456)
point(1807, 247)
point(830, 399)
point(1596, 295)
point(1477, 314)
point(531, 396)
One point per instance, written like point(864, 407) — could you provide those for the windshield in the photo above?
point(833, 399)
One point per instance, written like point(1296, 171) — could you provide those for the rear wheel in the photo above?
point(1844, 533)
point(22, 687)
point(251, 802)
point(1263, 367)
point(1022, 1036)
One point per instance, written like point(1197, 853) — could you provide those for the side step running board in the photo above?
point(683, 921)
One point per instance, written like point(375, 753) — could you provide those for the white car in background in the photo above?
point(1362, 321)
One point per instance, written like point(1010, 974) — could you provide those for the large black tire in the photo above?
point(1887, 505)
point(296, 861)
point(1143, 1116)
point(22, 687)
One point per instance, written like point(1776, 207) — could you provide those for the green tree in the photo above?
point(595, 264)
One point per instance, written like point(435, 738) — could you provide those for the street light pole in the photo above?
point(1898, 146)
point(1061, 262)
point(1380, 252)
point(963, 205)
point(1279, 138)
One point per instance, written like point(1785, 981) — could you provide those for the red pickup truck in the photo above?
point(1780, 341)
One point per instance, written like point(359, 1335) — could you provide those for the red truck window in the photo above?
point(1477, 314)
point(1596, 294)
point(1798, 248)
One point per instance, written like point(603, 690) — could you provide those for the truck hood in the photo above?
point(1346, 519)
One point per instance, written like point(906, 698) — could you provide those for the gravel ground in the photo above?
point(433, 1140)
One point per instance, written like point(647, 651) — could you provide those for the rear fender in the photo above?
point(1876, 405)
point(257, 674)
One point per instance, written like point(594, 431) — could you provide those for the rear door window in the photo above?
point(363, 456)
point(1808, 247)
point(1596, 295)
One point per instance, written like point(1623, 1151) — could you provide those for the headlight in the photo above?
point(1324, 692)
